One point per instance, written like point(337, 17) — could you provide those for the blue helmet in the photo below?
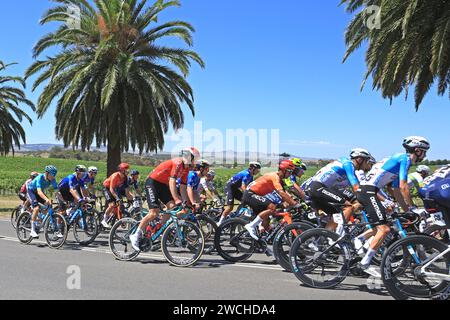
point(51, 170)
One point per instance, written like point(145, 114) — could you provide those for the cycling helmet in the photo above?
point(286, 165)
point(124, 166)
point(134, 173)
point(254, 164)
point(192, 152)
point(372, 160)
point(299, 163)
point(212, 173)
point(414, 142)
point(202, 164)
point(423, 169)
point(360, 153)
point(80, 168)
point(51, 170)
point(93, 169)
point(34, 174)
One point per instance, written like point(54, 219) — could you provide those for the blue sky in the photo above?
point(269, 65)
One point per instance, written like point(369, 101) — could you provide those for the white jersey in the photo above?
point(206, 185)
point(415, 179)
point(390, 170)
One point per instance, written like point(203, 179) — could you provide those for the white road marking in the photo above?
point(156, 257)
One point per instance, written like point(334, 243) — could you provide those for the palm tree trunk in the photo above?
point(114, 157)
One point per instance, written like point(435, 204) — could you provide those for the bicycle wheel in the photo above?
point(438, 232)
point(119, 239)
point(412, 283)
point(85, 229)
point(208, 228)
point(185, 249)
point(55, 231)
point(318, 264)
point(23, 228)
point(233, 242)
point(15, 215)
point(283, 242)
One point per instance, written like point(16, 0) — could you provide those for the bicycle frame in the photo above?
point(442, 276)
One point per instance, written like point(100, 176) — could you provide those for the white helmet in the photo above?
point(372, 160)
point(190, 154)
point(256, 165)
point(423, 169)
point(211, 173)
point(360, 153)
point(415, 142)
point(93, 169)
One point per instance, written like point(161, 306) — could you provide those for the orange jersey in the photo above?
point(268, 183)
point(174, 168)
point(115, 181)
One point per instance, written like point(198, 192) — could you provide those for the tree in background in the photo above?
point(11, 115)
point(112, 81)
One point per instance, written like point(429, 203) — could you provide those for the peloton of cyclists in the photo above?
point(193, 182)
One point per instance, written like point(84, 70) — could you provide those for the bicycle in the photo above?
point(120, 211)
point(234, 243)
point(83, 220)
point(180, 238)
point(15, 215)
point(322, 259)
point(54, 225)
point(427, 274)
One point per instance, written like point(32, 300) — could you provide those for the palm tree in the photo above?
point(411, 48)
point(112, 81)
point(11, 116)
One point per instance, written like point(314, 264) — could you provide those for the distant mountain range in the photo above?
point(230, 155)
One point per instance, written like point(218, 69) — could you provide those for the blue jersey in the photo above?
point(437, 187)
point(243, 177)
point(87, 180)
point(338, 174)
point(390, 170)
point(71, 182)
point(129, 183)
point(193, 180)
point(41, 183)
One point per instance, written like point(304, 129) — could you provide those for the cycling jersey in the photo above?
point(206, 185)
point(115, 181)
point(71, 182)
point(193, 180)
point(339, 174)
point(305, 185)
point(390, 170)
point(130, 183)
point(289, 182)
point(243, 177)
point(437, 187)
point(41, 183)
point(266, 184)
point(23, 189)
point(174, 168)
point(87, 180)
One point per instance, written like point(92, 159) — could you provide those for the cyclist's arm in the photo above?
point(113, 187)
point(43, 196)
point(351, 176)
point(191, 194)
point(184, 194)
point(299, 191)
point(174, 191)
point(129, 195)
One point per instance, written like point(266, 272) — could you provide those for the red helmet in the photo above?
point(124, 166)
point(286, 165)
point(34, 174)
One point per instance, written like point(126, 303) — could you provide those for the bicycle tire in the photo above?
point(113, 237)
point(399, 290)
point(24, 227)
point(49, 229)
point(90, 229)
point(15, 215)
point(198, 240)
point(298, 255)
point(208, 228)
point(222, 240)
point(281, 238)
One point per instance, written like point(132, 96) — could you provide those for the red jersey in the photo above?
point(115, 181)
point(174, 168)
point(268, 183)
point(23, 189)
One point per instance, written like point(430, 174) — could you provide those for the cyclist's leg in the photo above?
point(229, 203)
point(321, 197)
point(260, 206)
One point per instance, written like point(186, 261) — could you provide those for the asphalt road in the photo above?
point(37, 272)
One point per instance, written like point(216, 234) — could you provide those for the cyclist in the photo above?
point(292, 183)
point(207, 185)
point(236, 187)
point(161, 185)
point(415, 179)
point(132, 181)
point(392, 170)
point(255, 196)
point(330, 185)
point(68, 188)
point(111, 187)
point(89, 182)
point(193, 182)
point(437, 187)
point(36, 195)
point(23, 192)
